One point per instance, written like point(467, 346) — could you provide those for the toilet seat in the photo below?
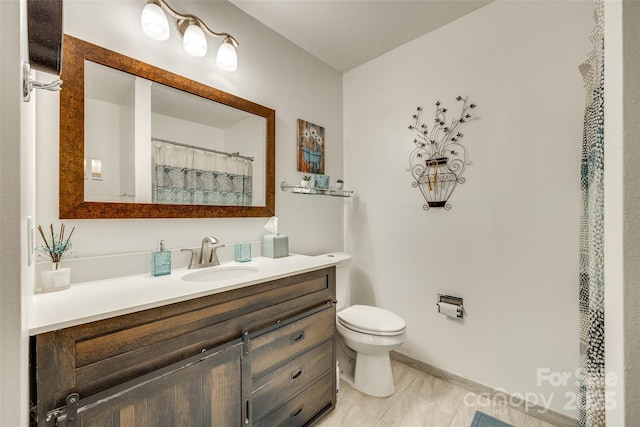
point(371, 320)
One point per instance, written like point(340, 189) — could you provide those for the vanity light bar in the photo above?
point(192, 30)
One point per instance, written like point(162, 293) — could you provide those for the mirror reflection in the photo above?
point(126, 174)
point(146, 142)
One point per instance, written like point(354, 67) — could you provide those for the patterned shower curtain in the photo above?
point(188, 175)
point(591, 401)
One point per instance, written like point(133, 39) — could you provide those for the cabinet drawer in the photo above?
point(304, 407)
point(273, 347)
point(278, 386)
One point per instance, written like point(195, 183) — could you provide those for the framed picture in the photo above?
point(310, 147)
point(321, 182)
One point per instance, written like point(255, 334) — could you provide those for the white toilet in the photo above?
point(370, 333)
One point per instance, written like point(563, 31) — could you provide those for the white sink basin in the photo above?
point(219, 273)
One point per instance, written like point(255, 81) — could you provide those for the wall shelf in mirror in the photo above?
point(145, 102)
point(310, 191)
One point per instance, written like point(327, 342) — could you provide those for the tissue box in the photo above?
point(275, 246)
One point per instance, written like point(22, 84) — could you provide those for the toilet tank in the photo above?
point(343, 277)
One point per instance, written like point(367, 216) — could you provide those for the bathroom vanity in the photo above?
point(256, 350)
point(204, 350)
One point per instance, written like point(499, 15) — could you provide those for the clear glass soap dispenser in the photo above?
point(161, 260)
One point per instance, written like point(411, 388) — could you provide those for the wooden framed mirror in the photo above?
point(77, 199)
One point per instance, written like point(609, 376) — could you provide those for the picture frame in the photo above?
point(310, 147)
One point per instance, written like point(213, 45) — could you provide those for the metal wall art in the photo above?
point(439, 159)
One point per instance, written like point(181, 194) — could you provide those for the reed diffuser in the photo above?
point(57, 278)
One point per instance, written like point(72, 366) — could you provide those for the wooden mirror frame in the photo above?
point(72, 203)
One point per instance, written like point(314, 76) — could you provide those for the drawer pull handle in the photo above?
point(296, 375)
point(297, 337)
point(247, 418)
point(295, 413)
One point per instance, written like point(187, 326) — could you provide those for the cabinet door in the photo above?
point(206, 392)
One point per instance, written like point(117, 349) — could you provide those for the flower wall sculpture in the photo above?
point(439, 159)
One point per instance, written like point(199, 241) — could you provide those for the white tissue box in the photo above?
point(275, 246)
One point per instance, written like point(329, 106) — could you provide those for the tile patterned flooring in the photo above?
point(420, 400)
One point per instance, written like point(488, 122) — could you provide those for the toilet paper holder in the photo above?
point(448, 299)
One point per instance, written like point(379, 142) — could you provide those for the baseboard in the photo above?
point(535, 410)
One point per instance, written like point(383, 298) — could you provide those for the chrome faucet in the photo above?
point(213, 255)
point(208, 253)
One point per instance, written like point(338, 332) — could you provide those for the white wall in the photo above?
point(622, 201)
point(127, 149)
point(271, 71)
point(17, 202)
point(102, 141)
point(244, 137)
point(186, 132)
point(509, 244)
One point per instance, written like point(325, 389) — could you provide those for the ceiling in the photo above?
point(348, 33)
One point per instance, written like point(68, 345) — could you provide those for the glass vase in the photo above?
point(56, 278)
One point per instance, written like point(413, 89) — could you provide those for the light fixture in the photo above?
point(192, 30)
point(154, 22)
point(194, 41)
point(227, 58)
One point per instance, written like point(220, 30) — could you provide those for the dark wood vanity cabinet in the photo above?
point(262, 355)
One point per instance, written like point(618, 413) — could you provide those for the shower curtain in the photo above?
point(188, 175)
point(591, 393)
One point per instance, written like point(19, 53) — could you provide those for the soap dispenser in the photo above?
point(160, 260)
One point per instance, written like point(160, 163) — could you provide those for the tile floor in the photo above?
point(420, 400)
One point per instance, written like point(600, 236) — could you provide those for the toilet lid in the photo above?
point(371, 320)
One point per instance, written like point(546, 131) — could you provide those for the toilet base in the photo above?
point(373, 375)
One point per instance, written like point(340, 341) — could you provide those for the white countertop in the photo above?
point(102, 299)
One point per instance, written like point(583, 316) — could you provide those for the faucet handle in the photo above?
point(194, 255)
point(213, 257)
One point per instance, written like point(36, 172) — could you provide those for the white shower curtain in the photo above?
point(189, 175)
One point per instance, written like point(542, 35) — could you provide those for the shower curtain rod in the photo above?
point(237, 154)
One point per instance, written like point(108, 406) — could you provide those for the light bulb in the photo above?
point(227, 58)
point(154, 22)
point(194, 41)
